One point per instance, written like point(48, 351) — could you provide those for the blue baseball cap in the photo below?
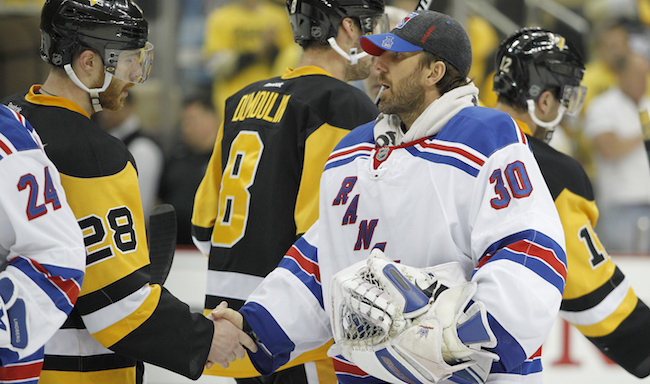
point(428, 31)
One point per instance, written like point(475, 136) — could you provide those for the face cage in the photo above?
point(573, 97)
point(133, 65)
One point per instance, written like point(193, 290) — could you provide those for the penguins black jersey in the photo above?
point(119, 317)
point(598, 299)
point(260, 191)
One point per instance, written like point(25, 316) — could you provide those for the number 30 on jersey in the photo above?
point(518, 184)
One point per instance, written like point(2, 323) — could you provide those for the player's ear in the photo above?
point(89, 60)
point(434, 73)
point(349, 27)
point(546, 102)
point(89, 67)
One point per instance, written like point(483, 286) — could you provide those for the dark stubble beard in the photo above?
point(406, 97)
point(111, 98)
point(359, 71)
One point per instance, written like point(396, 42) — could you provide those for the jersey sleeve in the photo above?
point(599, 300)
point(42, 256)
point(518, 246)
point(296, 280)
point(206, 200)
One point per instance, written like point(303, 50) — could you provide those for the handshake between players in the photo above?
point(422, 318)
point(229, 340)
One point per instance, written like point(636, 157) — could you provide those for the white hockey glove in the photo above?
point(404, 324)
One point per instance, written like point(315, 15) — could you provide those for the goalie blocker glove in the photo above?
point(405, 324)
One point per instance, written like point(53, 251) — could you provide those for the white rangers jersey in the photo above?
point(42, 254)
point(472, 193)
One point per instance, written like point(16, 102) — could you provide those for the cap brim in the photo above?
point(376, 44)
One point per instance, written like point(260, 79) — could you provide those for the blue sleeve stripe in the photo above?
point(442, 159)
point(309, 280)
point(508, 349)
point(541, 268)
point(341, 162)
point(307, 250)
point(272, 337)
point(61, 289)
point(344, 378)
point(24, 368)
point(534, 237)
point(302, 260)
point(15, 133)
point(526, 368)
point(535, 251)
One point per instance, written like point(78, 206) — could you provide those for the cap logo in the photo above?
point(388, 42)
point(405, 20)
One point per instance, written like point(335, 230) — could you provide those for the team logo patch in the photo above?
point(423, 332)
point(388, 42)
point(406, 20)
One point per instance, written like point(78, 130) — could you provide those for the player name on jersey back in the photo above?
point(261, 105)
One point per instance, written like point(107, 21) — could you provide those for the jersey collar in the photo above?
point(524, 127)
point(55, 101)
point(291, 73)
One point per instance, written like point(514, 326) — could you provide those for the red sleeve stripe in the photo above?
point(483, 261)
point(537, 353)
point(19, 373)
point(307, 265)
point(37, 139)
point(18, 117)
point(69, 287)
point(544, 254)
point(364, 147)
point(5, 148)
point(520, 132)
point(447, 148)
point(344, 367)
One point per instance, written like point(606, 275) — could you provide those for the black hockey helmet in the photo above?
point(116, 29)
point(532, 60)
point(320, 19)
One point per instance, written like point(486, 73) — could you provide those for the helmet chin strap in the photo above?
point(353, 57)
point(548, 125)
point(94, 93)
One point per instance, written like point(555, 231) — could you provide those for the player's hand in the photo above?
point(223, 312)
point(228, 340)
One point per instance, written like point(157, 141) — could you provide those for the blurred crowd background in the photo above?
point(206, 50)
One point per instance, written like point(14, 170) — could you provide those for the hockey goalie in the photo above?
point(415, 325)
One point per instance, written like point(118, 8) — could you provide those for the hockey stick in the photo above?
point(422, 6)
point(162, 242)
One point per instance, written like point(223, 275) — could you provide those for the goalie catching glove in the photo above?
point(406, 324)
